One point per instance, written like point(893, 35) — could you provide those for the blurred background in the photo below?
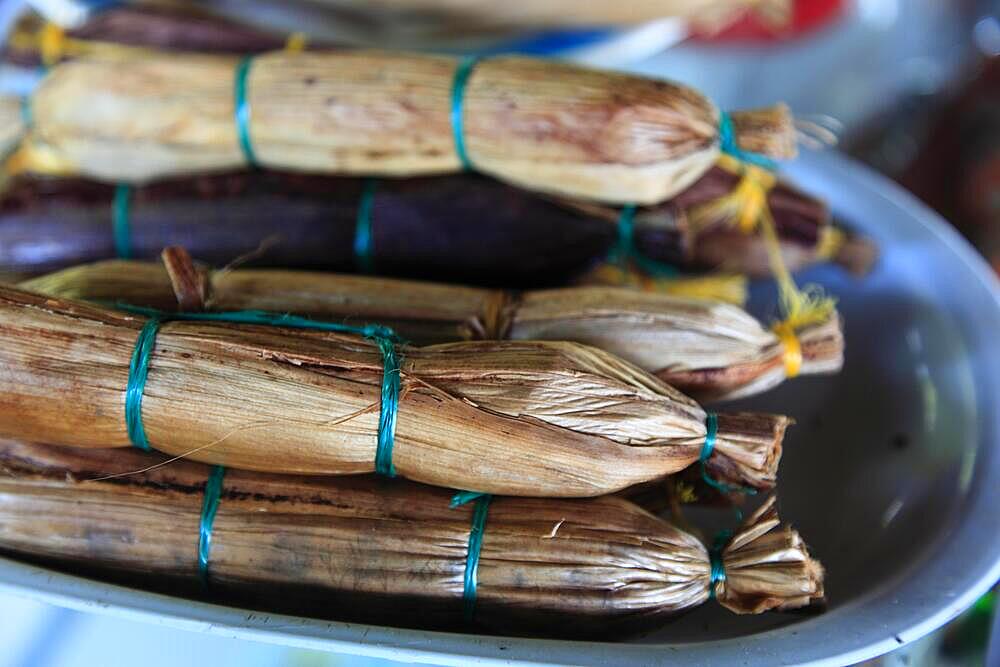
point(910, 88)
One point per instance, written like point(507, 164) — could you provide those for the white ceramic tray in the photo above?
point(892, 475)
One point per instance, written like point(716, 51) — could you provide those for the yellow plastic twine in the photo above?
point(53, 46)
point(743, 206)
point(296, 42)
point(730, 288)
point(831, 240)
point(746, 207)
point(37, 158)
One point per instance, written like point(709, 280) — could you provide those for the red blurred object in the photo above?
point(768, 25)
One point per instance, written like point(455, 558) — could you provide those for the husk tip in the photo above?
point(768, 131)
point(768, 566)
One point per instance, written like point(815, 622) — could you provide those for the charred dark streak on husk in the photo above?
point(19, 466)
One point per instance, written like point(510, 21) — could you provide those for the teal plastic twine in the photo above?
point(209, 508)
point(120, 215)
point(715, 558)
point(729, 145)
point(384, 337)
point(243, 110)
point(389, 407)
point(364, 242)
point(625, 249)
point(476, 531)
point(462, 72)
point(27, 113)
point(711, 434)
point(138, 371)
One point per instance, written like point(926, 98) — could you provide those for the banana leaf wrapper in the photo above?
point(541, 125)
point(418, 228)
point(365, 549)
point(707, 349)
point(514, 417)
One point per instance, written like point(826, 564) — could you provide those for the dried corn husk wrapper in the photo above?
point(384, 551)
point(546, 126)
point(707, 14)
point(700, 228)
point(707, 349)
point(127, 32)
point(130, 32)
point(513, 417)
point(417, 228)
point(117, 31)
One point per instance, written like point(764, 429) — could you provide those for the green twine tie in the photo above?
point(478, 527)
point(715, 558)
point(729, 145)
point(242, 113)
point(462, 72)
point(711, 434)
point(625, 250)
point(364, 241)
point(384, 337)
point(209, 508)
point(120, 220)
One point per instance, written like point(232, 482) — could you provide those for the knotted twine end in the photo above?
point(718, 572)
point(748, 208)
point(625, 251)
point(729, 144)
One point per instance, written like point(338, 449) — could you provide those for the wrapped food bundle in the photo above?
point(514, 417)
point(416, 227)
point(370, 549)
point(709, 350)
point(707, 14)
point(163, 125)
point(542, 125)
point(129, 31)
point(115, 31)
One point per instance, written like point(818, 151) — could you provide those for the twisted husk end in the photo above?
point(768, 566)
point(748, 449)
point(768, 131)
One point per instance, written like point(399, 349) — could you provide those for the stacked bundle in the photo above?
point(547, 398)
